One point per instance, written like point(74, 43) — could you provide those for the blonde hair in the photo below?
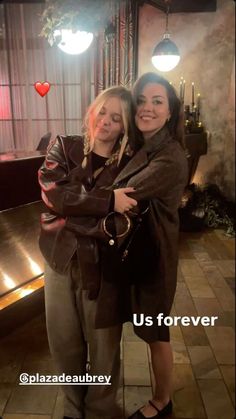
point(89, 121)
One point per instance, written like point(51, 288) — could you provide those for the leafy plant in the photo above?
point(208, 205)
point(90, 16)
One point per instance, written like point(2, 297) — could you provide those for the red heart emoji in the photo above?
point(42, 88)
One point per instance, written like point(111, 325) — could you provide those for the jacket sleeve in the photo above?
point(164, 180)
point(65, 196)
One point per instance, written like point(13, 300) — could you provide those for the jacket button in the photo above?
point(54, 264)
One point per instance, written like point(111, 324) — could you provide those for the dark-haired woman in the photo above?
point(161, 181)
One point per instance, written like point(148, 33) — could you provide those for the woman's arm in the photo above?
point(64, 195)
point(163, 179)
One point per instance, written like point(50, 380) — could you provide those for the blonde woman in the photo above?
point(73, 167)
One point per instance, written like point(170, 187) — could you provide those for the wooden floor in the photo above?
point(20, 258)
point(203, 384)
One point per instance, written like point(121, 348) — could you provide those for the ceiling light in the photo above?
point(166, 55)
point(73, 42)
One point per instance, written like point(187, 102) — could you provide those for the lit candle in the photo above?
point(195, 116)
point(180, 90)
point(183, 91)
point(198, 107)
point(198, 102)
point(192, 94)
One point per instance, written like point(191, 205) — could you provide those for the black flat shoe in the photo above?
point(167, 410)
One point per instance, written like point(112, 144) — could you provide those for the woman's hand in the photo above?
point(123, 203)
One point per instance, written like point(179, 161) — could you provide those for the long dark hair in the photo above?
point(176, 121)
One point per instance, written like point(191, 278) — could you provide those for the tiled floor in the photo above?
point(203, 384)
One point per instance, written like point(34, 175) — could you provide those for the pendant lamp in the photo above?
point(165, 55)
point(73, 42)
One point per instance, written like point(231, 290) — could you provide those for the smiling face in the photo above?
point(108, 124)
point(152, 109)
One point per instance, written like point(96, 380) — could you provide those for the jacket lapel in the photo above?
point(76, 151)
point(76, 155)
point(138, 162)
point(143, 156)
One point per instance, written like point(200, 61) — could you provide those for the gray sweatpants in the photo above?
point(72, 337)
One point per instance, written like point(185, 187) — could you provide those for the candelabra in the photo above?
point(192, 120)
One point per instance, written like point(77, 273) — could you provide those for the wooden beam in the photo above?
point(184, 6)
point(21, 1)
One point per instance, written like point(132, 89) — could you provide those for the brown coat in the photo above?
point(159, 172)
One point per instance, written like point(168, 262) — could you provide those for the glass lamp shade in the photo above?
point(165, 56)
point(73, 42)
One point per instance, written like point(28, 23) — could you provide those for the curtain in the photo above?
point(75, 80)
point(25, 58)
point(115, 62)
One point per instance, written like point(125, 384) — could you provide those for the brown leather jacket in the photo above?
point(69, 190)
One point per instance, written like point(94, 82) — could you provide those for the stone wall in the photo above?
point(206, 44)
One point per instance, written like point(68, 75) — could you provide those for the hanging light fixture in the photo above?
point(166, 56)
point(73, 42)
point(72, 25)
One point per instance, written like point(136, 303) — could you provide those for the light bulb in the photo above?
point(73, 42)
point(165, 62)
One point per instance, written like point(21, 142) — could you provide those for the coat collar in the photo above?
point(142, 157)
point(158, 141)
